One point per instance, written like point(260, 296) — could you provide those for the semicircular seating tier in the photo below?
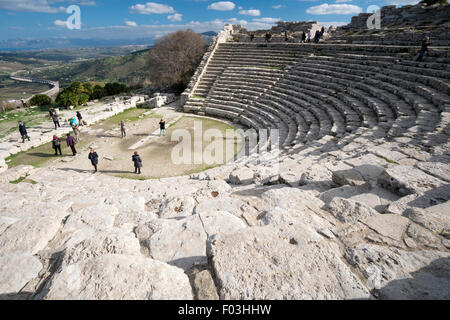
point(310, 91)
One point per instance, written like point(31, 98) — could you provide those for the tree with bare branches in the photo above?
point(174, 59)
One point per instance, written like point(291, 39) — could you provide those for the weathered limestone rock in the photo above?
point(266, 175)
point(177, 207)
point(388, 225)
point(255, 263)
point(435, 218)
point(29, 235)
point(439, 169)
point(100, 217)
point(350, 211)
point(423, 236)
point(343, 192)
point(242, 176)
point(3, 165)
point(405, 180)
point(399, 274)
point(289, 198)
point(204, 286)
point(234, 206)
point(16, 173)
point(180, 243)
point(348, 177)
point(387, 154)
point(102, 243)
point(118, 277)
point(220, 222)
point(16, 270)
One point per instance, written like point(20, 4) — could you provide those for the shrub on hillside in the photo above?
point(98, 92)
point(431, 2)
point(112, 89)
point(40, 100)
point(174, 59)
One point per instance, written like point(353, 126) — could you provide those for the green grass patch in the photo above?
point(18, 180)
point(129, 115)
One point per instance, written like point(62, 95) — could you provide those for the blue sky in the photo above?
point(129, 19)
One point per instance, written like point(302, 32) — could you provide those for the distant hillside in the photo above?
point(129, 69)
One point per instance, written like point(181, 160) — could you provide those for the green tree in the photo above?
point(98, 92)
point(40, 100)
point(83, 98)
point(67, 98)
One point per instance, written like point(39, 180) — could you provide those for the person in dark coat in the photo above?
point(322, 31)
point(23, 131)
point(55, 118)
point(268, 37)
point(424, 49)
point(80, 118)
point(51, 111)
point(303, 37)
point(162, 128)
point(137, 163)
point(123, 131)
point(252, 36)
point(317, 37)
point(286, 36)
point(71, 143)
point(56, 145)
point(93, 156)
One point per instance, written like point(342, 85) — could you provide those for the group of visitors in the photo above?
point(304, 38)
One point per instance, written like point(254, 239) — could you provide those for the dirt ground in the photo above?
point(142, 130)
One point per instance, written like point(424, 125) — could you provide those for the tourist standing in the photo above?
point(286, 36)
point(309, 36)
point(122, 129)
point(317, 37)
point(424, 49)
point(73, 121)
point(268, 36)
point(93, 156)
point(51, 111)
point(56, 145)
point(137, 163)
point(252, 36)
point(71, 143)
point(322, 31)
point(80, 118)
point(162, 128)
point(76, 132)
point(23, 131)
point(55, 118)
point(303, 37)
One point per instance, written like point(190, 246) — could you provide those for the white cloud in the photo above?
point(222, 6)
point(152, 7)
point(251, 12)
point(334, 9)
point(267, 20)
point(401, 2)
point(43, 6)
point(279, 6)
point(60, 23)
point(175, 17)
point(341, 1)
point(130, 23)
